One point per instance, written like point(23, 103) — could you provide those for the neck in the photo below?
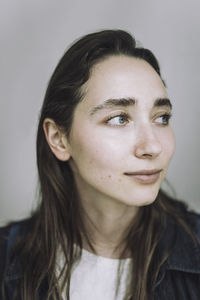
point(107, 228)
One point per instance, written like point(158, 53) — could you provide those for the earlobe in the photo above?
point(56, 139)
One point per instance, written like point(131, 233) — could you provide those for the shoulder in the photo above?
point(196, 217)
point(185, 222)
point(178, 210)
point(180, 273)
point(181, 236)
point(191, 217)
point(185, 255)
point(11, 231)
point(8, 235)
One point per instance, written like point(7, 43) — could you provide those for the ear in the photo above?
point(56, 139)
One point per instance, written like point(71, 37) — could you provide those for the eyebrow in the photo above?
point(163, 102)
point(125, 102)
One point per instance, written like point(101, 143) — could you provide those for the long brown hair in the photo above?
point(57, 223)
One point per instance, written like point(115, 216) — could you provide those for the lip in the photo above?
point(145, 176)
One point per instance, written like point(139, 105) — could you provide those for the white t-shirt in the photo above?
point(95, 278)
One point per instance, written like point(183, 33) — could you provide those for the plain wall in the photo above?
point(35, 34)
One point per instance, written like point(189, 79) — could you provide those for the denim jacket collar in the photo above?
point(185, 256)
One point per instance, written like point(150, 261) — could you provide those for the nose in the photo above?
point(148, 144)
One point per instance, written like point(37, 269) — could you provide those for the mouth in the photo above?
point(145, 176)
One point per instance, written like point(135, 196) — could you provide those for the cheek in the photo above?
point(96, 153)
point(168, 144)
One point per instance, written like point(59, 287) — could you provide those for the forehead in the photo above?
point(123, 77)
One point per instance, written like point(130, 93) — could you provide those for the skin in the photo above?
point(108, 142)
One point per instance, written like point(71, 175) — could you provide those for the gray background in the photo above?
point(34, 35)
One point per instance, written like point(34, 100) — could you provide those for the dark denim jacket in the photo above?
point(178, 279)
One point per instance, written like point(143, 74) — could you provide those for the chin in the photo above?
point(147, 202)
point(144, 198)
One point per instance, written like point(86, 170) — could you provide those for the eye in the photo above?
point(164, 119)
point(118, 120)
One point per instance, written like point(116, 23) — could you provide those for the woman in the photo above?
point(104, 229)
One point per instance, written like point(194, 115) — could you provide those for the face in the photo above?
point(121, 141)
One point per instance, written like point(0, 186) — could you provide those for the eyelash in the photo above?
point(165, 116)
point(122, 115)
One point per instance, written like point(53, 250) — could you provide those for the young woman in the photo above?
point(103, 228)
